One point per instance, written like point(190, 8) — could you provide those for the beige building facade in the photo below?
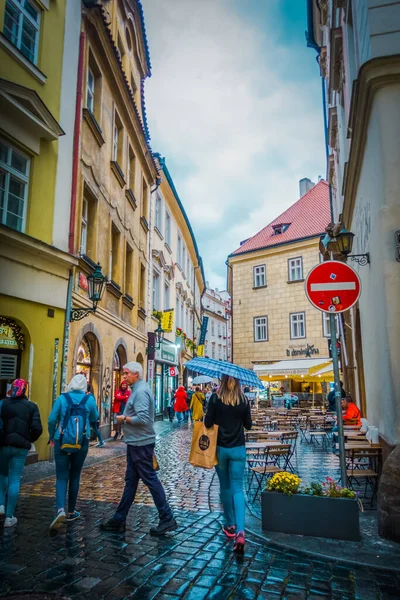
point(272, 320)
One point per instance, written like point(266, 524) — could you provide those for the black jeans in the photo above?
point(140, 466)
point(68, 473)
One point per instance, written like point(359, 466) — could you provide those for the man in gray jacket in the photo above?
point(139, 436)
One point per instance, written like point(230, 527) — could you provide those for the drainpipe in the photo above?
point(77, 135)
point(228, 266)
point(311, 43)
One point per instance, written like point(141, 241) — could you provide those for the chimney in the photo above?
point(305, 185)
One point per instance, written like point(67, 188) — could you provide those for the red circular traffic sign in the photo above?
point(333, 287)
point(172, 372)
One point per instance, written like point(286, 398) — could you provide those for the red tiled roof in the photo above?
point(306, 218)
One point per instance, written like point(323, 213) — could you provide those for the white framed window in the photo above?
point(297, 325)
point(326, 325)
point(167, 299)
point(212, 327)
point(188, 268)
point(213, 350)
point(260, 329)
point(14, 183)
point(179, 250)
point(156, 291)
point(259, 274)
point(90, 90)
point(183, 316)
point(167, 232)
point(84, 225)
point(183, 263)
point(158, 215)
point(177, 315)
point(21, 27)
point(295, 267)
point(115, 143)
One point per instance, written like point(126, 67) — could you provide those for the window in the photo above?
point(295, 269)
point(212, 327)
point(219, 352)
point(188, 268)
point(167, 228)
point(177, 313)
point(187, 323)
point(131, 170)
point(129, 270)
point(90, 91)
point(297, 325)
point(167, 300)
point(326, 325)
point(21, 27)
point(260, 329)
point(14, 180)
point(88, 227)
point(156, 304)
point(145, 199)
point(260, 279)
point(84, 226)
point(183, 263)
point(118, 139)
point(114, 253)
point(179, 250)
point(158, 217)
point(213, 350)
point(142, 286)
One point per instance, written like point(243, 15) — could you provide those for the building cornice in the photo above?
point(373, 75)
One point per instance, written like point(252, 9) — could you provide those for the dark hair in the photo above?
point(197, 388)
point(349, 398)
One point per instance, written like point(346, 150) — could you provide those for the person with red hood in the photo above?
point(180, 405)
point(121, 397)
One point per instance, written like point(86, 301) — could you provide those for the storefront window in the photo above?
point(84, 359)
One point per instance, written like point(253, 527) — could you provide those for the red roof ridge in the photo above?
point(303, 219)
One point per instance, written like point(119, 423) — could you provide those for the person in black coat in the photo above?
point(21, 427)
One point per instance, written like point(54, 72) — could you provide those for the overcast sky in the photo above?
point(234, 105)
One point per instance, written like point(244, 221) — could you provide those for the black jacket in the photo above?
point(231, 421)
point(21, 423)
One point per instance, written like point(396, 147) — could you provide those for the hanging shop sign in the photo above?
point(167, 353)
point(11, 336)
point(83, 282)
point(203, 330)
point(172, 372)
point(308, 351)
point(200, 350)
point(150, 372)
point(167, 320)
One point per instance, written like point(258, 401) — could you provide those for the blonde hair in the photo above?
point(229, 391)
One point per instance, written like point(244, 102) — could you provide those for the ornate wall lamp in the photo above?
point(96, 284)
point(342, 244)
point(158, 340)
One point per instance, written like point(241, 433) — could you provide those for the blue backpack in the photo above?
point(73, 427)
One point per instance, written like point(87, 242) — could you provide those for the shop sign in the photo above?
point(83, 282)
point(203, 330)
point(150, 372)
point(200, 350)
point(172, 372)
point(166, 353)
point(167, 321)
point(7, 339)
point(308, 351)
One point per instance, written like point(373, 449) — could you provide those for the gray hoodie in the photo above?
point(141, 410)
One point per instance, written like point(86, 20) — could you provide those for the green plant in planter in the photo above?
point(314, 489)
point(333, 490)
point(157, 315)
point(284, 483)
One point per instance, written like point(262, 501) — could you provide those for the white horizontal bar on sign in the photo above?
point(333, 287)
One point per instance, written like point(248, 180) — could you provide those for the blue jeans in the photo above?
point(179, 416)
point(12, 462)
point(96, 429)
point(68, 474)
point(230, 471)
point(139, 465)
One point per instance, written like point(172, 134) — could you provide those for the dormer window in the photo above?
point(280, 228)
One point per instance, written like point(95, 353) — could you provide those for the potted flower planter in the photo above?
point(303, 514)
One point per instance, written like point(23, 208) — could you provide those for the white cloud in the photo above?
point(240, 132)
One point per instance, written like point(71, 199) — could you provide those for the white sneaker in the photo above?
point(58, 520)
point(10, 521)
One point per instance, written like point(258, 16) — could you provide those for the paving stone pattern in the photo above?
point(194, 563)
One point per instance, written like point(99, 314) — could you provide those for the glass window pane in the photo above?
point(18, 162)
point(28, 40)
point(11, 23)
point(3, 152)
point(14, 222)
point(17, 188)
point(31, 10)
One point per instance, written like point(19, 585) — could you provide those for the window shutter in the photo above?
point(8, 366)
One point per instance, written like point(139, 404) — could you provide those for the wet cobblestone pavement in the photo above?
point(194, 563)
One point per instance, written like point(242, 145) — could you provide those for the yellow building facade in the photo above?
point(116, 176)
point(272, 319)
point(34, 257)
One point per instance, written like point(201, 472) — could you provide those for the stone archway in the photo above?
point(88, 358)
point(140, 359)
point(120, 358)
point(16, 353)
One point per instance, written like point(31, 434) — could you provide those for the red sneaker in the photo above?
point(239, 543)
point(230, 531)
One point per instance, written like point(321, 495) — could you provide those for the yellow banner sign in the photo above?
point(7, 339)
point(167, 321)
point(200, 350)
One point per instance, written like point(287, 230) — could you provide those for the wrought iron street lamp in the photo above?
point(344, 240)
point(158, 340)
point(96, 284)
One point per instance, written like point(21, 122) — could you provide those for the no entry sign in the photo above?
point(333, 287)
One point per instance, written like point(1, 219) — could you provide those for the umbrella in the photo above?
point(201, 379)
point(216, 368)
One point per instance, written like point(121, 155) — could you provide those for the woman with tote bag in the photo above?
point(230, 410)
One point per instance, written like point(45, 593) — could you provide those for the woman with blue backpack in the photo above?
point(69, 432)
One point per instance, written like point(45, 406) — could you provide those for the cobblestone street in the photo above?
point(194, 563)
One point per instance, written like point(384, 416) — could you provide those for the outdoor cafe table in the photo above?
point(360, 446)
point(262, 445)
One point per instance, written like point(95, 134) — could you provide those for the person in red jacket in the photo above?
point(180, 405)
point(351, 412)
point(121, 397)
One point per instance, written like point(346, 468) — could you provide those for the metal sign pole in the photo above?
point(338, 399)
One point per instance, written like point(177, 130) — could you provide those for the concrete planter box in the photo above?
point(336, 518)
